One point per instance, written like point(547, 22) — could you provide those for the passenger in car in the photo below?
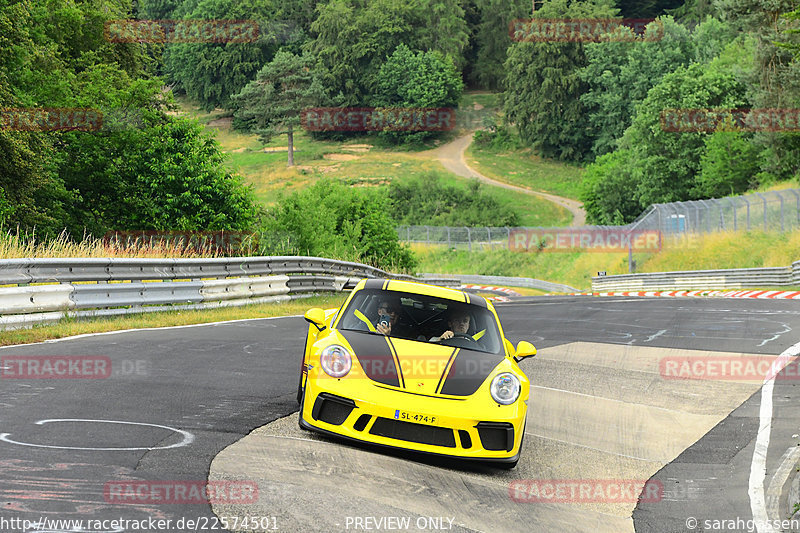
point(390, 308)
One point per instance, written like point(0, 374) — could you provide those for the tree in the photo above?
point(647, 8)
point(543, 86)
point(352, 38)
point(492, 37)
point(158, 9)
point(419, 80)
point(620, 72)
point(274, 101)
point(443, 29)
point(609, 190)
point(666, 163)
point(655, 163)
point(211, 72)
point(165, 176)
point(774, 81)
point(728, 166)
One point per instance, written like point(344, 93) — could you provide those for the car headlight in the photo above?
point(335, 361)
point(505, 388)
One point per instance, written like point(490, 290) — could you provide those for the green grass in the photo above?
point(523, 168)
point(363, 161)
point(70, 327)
point(716, 251)
point(533, 211)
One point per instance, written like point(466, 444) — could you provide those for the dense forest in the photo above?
point(595, 104)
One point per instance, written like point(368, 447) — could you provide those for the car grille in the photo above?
point(408, 431)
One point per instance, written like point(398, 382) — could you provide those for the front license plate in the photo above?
point(417, 418)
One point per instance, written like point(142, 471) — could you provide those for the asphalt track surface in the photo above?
point(599, 410)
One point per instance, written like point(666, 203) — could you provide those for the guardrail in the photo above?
point(530, 283)
point(736, 278)
point(46, 290)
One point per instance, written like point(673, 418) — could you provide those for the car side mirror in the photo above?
point(316, 316)
point(524, 349)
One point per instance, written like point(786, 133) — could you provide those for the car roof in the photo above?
point(413, 287)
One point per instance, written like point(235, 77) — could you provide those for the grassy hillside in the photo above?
point(522, 167)
point(723, 250)
point(363, 162)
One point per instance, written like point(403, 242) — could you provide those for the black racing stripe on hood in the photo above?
point(396, 360)
point(469, 370)
point(375, 356)
point(446, 368)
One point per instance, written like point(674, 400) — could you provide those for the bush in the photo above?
point(330, 219)
point(417, 80)
point(428, 200)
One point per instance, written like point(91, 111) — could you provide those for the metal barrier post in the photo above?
point(765, 208)
point(797, 197)
point(748, 212)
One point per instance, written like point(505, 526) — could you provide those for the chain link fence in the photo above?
point(774, 211)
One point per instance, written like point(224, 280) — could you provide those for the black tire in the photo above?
point(300, 391)
point(302, 394)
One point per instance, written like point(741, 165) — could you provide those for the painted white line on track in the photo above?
point(116, 331)
point(654, 335)
point(188, 438)
point(777, 335)
point(611, 399)
point(758, 467)
point(596, 449)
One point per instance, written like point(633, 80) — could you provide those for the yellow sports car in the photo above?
point(418, 367)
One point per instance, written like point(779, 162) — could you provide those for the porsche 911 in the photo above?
point(418, 367)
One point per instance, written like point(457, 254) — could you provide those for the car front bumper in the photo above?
point(469, 428)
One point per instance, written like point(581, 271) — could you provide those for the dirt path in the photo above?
point(451, 155)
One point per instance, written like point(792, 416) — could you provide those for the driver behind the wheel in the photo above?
point(457, 322)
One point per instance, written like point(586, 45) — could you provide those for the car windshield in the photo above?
point(422, 318)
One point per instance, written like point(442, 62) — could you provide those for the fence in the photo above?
point(769, 211)
point(736, 278)
point(46, 290)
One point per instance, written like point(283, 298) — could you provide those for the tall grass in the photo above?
point(28, 245)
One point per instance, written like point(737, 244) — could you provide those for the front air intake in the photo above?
point(332, 409)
